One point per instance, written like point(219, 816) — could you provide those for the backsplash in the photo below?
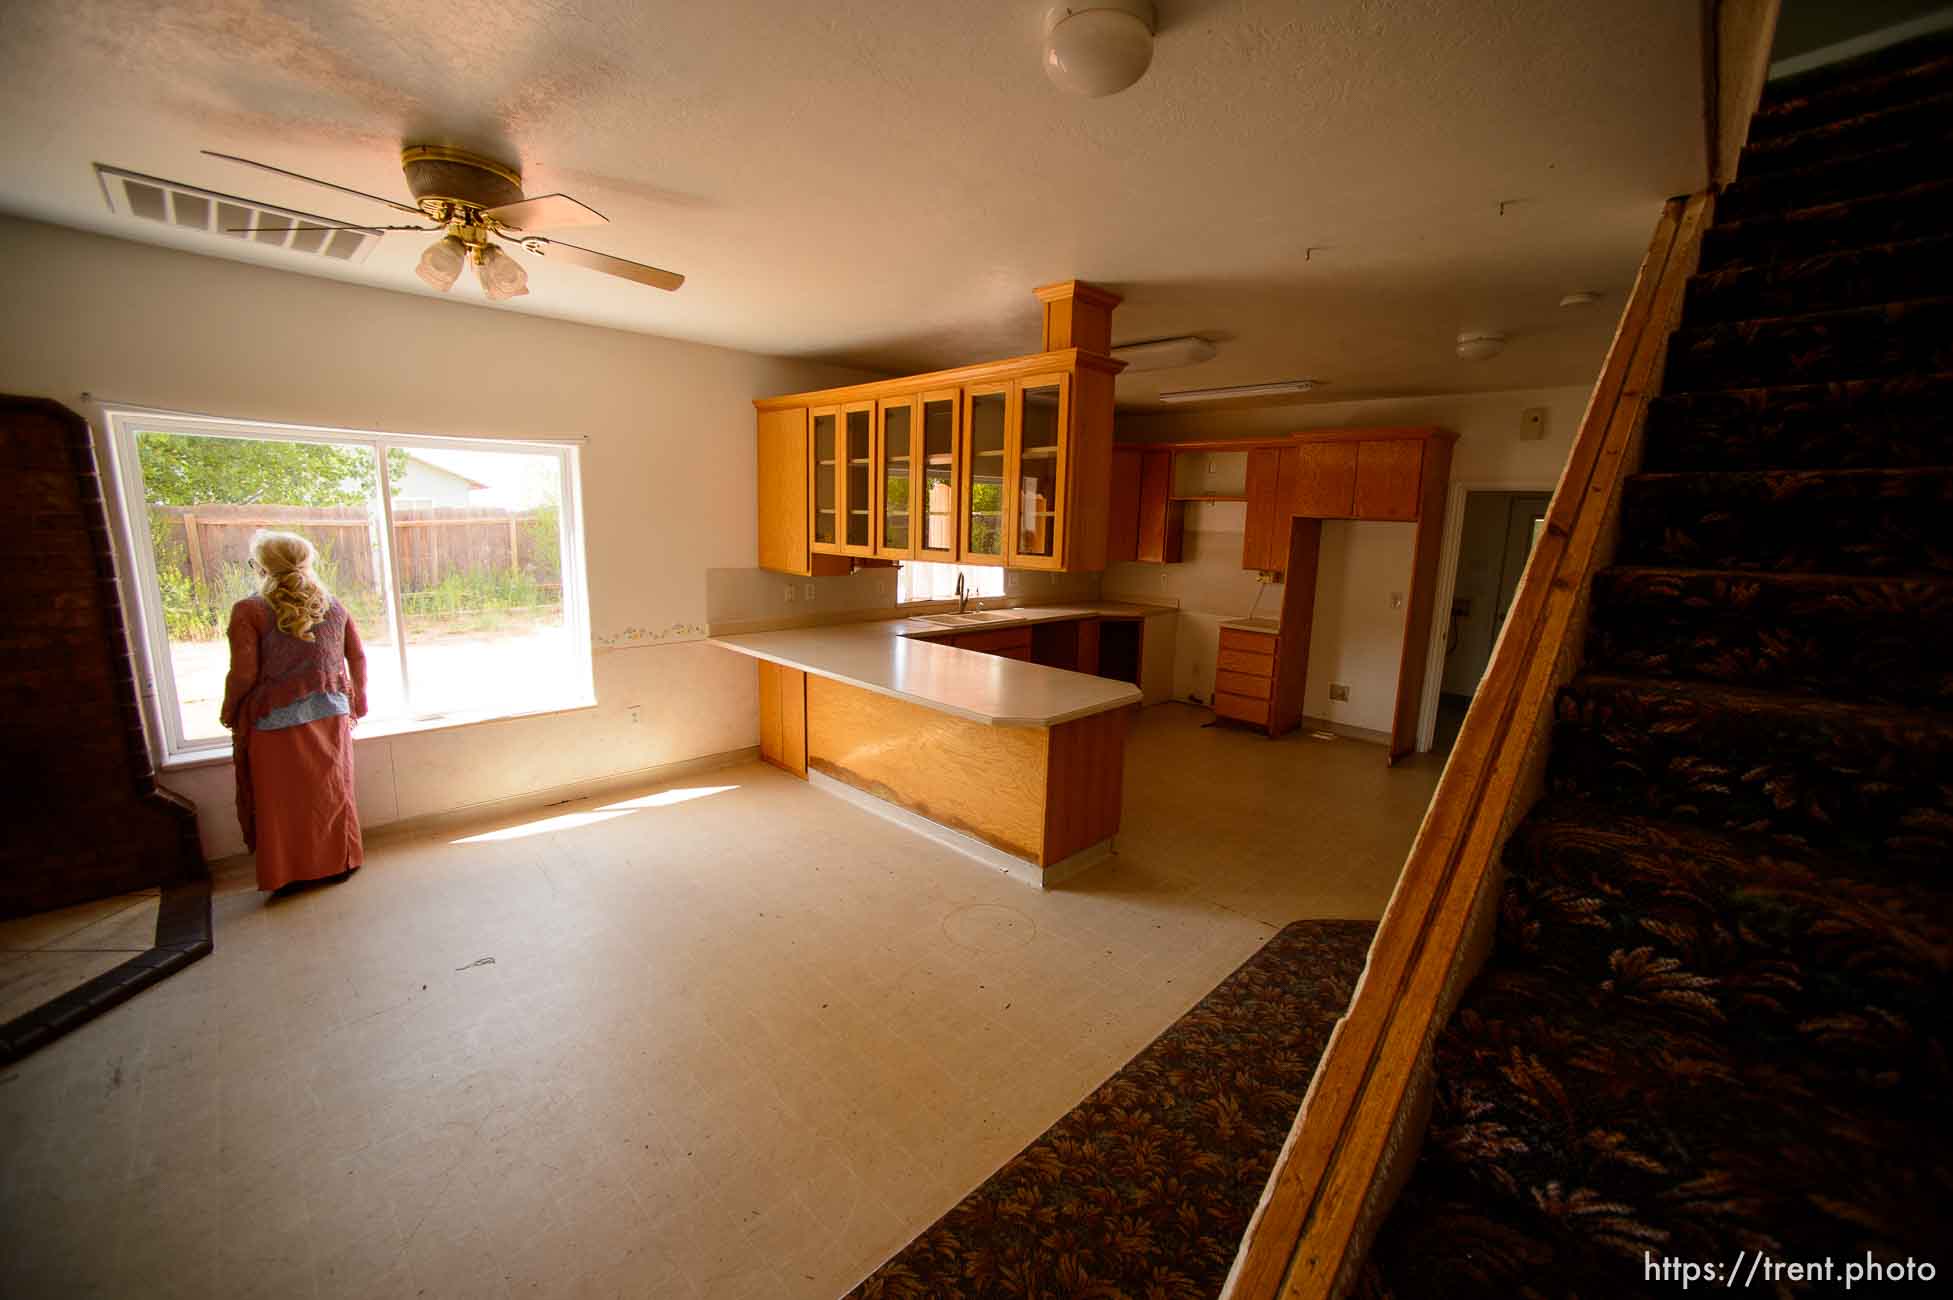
point(746, 595)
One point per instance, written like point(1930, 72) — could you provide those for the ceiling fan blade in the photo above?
point(595, 261)
point(313, 180)
point(320, 225)
point(547, 212)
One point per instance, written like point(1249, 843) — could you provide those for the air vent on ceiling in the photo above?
point(176, 204)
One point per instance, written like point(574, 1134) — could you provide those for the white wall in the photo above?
point(1357, 638)
point(668, 473)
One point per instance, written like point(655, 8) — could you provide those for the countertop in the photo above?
point(898, 657)
point(1269, 626)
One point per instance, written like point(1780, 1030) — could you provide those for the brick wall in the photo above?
point(84, 817)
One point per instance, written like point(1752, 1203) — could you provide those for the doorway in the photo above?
point(1494, 543)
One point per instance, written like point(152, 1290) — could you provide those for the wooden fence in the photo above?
point(428, 544)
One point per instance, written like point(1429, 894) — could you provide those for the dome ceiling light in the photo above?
point(1098, 47)
point(1580, 298)
point(1479, 346)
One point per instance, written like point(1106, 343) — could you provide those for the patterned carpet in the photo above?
point(1144, 1189)
point(1715, 1020)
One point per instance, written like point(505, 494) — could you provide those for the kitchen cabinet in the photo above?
point(783, 717)
point(896, 462)
point(1325, 480)
point(1005, 462)
point(1388, 471)
point(1162, 520)
point(1122, 528)
point(1008, 642)
point(786, 533)
point(1271, 489)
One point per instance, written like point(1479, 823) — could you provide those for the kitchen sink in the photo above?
point(978, 616)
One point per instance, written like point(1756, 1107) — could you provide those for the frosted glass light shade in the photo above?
point(502, 277)
point(441, 264)
point(1096, 49)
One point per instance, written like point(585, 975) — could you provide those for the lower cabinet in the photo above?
point(1256, 678)
point(1009, 642)
point(783, 717)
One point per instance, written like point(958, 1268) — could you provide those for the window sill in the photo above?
point(368, 730)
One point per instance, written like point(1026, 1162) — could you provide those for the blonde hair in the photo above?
point(285, 581)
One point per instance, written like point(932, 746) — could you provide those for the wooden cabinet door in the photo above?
point(1038, 474)
point(986, 501)
point(858, 478)
point(895, 510)
point(1387, 473)
point(1325, 480)
point(1161, 518)
point(1265, 513)
point(1122, 532)
point(824, 477)
point(939, 474)
point(783, 491)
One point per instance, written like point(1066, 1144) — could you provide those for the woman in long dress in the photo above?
point(296, 684)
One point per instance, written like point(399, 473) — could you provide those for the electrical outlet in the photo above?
point(635, 713)
point(1396, 600)
point(789, 593)
point(1339, 691)
point(809, 592)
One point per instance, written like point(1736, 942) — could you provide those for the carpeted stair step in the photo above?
point(1891, 522)
point(1924, 211)
point(1781, 952)
point(1914, 337)
point(1564, 1143)
point(1881, 640)
point(1848, 136)
point(1853, 277)
point(1887, 170)
point(1900, 421)
point(1846, 91)
point(1870, 781)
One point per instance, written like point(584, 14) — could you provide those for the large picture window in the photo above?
point(459, 559)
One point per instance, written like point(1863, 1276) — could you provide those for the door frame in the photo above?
point(1447, 589)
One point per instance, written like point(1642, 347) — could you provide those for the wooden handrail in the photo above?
point(1358, 1131)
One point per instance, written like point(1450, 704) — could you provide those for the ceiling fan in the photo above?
point(474, 202)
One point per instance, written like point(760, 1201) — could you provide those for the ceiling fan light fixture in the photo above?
point(1098, 47)
point(440, 266)
point(502, 277)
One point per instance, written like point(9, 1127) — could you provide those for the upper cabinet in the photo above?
point(1007, 463)
point(1325, 480)
point(1388, 473)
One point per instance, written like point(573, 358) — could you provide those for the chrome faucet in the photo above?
point(962, 599)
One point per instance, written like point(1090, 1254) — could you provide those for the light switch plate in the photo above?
point(1396, 600)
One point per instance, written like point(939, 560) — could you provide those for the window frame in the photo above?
point(985, 573)
point(141, 588)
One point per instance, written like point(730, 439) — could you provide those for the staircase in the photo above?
point(1715, 1019)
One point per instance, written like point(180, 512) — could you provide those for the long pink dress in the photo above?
point(295, 790)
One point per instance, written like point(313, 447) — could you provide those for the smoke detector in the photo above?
point(1480, 347)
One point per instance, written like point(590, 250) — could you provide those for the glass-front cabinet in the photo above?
point(895, 478)
point(824, 451)
point(940, 447)
point(1037, 471)
point(858, 478)
point(986, 472)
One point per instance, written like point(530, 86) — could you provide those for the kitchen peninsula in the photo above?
point(1020, 763)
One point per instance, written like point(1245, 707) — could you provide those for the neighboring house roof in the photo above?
point(429, 465)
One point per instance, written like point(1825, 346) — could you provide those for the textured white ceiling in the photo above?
point(881, 182)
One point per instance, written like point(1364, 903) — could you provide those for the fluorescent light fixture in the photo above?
point(1242, 390)
point(1165, 354)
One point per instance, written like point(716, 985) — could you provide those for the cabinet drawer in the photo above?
point(1240, 661)
point(1254, 643)
point(1241, 709)
point(1255, 688)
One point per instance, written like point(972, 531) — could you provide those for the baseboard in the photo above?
point(1345, 730)
point(468, 815)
